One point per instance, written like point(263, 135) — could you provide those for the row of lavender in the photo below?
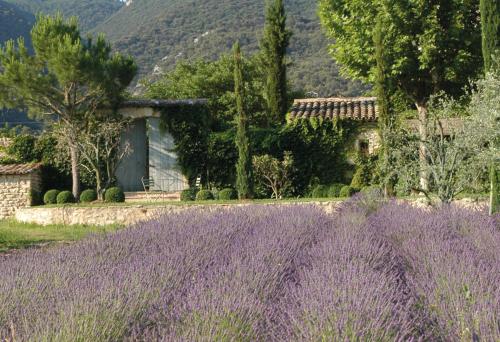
point(265, 273)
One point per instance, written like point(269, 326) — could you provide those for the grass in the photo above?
point(15, 235)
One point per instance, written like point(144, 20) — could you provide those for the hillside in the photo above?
point(14, 22)
point(89, 12)
point(158, 33)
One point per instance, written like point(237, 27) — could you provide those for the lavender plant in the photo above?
point(372, 271)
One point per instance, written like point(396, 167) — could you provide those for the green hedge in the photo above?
point(320, 191)
point(347, 191)
point(334, 190)
point(188, 194)
point(228, 194)
point(87, 196)
point(114, 195)
point(65, 197)
point(204, 195)
point(50, 196)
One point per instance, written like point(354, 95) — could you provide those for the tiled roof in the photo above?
point(355, 108)
point(19, 169)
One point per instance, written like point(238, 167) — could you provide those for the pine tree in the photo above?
point(490, 24)
point(274, 44)
point(244, 174)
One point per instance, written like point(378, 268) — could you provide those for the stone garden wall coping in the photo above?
point(126, 215)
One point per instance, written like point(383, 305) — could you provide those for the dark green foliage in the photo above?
point(490, 24)
point(214, 81)
point(189, 127)
point(188, 194)
point(347, 191)
point(36, 198)
point(22, 148)
point(65, 197)
point(366, 171)
point(87, 196)
point(320, 191)
point(114, 195)
point(204, 195)
point(227, 194)
point(318, 150)
point(50, 196)
point(274, 47)
point(334, 190)
point(244, 174)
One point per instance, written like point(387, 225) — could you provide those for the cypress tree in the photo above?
point(274, 44)
point(386, 119)
point(244, 174)
point(490, 25)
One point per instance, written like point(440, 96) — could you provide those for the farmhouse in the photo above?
point(362, 109)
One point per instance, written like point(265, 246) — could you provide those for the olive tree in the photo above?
point(458, 150)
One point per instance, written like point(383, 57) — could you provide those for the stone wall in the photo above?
point(16, 192)
point(126, 215)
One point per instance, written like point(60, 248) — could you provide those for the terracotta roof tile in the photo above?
point(19, 169)
point(355, 108)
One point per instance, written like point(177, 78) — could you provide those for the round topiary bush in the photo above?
point(204, 195)
point(188, 194)
point(347, 191)
point(320, 191)
point(87, 196)
point(334, 190)
point(50, 196)
point(65, 197)
point(228, 194)
point(114, 195)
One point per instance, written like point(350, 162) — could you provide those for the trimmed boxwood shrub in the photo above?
point(114, 195)
point(347, 191)
point(204, 195)
point(65, 197)
point(334, 190)
point(87, 196)
point(50, 196)
point(320, 191)
point(228, 194)
point(188, 194)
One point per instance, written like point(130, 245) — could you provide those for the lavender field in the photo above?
point(371, 272)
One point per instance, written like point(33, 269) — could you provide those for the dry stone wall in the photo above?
point(16, 192)
point(124, 215)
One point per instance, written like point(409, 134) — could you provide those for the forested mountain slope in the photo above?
point(14, 21)
point(89, 12)
point(160, 32)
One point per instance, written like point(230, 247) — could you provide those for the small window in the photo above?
point(364, 147)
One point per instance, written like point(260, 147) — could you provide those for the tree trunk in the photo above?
point(422, 130)
point(75, 171)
